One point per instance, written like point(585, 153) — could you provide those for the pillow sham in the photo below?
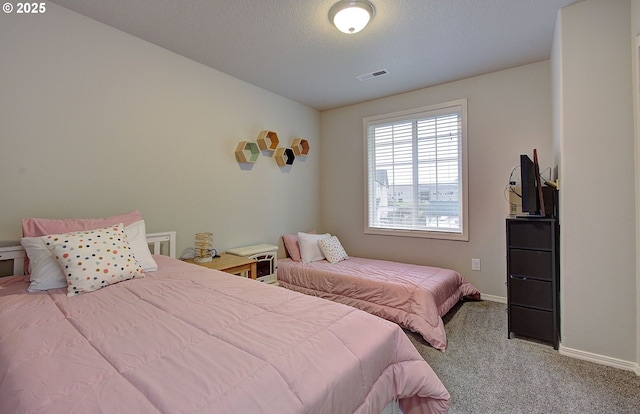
point(36, 227)
point(332, 249)
point(137, 238)
point(309, 248)
point(292, 246)
point(45, 273)
point(93, 259)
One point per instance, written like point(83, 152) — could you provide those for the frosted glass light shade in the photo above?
point(351, 16)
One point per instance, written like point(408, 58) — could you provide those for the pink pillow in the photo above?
point(292, 247)
point(37, 227)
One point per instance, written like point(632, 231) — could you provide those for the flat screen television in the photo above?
point(529, 187)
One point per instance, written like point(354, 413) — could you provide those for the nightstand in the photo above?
point(236, 265)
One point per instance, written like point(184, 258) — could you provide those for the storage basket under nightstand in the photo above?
point(267, 257)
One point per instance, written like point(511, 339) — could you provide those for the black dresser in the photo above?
point(533, 278)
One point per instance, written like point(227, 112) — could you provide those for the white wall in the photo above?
point(95, 122)
point(594, 119)
point(508, 115)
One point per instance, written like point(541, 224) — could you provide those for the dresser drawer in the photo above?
point(531, 322)
point(530, 234)
point(531, 263)
point(532, 293)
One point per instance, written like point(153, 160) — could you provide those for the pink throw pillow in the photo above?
point(292, 246)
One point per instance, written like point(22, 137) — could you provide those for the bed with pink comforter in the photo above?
point(415, 297)
point(186, 339)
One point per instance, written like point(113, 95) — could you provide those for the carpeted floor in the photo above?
point(487, 373)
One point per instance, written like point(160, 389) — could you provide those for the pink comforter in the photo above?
point(415, 297)
point(186, 339)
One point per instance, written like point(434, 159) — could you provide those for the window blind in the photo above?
point(415, 171)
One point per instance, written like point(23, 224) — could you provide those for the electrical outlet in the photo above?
point(475, 264)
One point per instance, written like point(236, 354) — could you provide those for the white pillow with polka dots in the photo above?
point(93, 259)
point(332, 249)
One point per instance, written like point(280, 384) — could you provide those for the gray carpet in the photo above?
point(487, 373)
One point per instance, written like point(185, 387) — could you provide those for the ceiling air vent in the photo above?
point(371, 75)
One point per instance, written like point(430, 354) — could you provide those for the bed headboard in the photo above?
point(159, 243)
point(157, 240)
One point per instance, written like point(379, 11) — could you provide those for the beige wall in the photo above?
point(96, 122)
point(635, 61)
point(595, 137)
point(508, 115)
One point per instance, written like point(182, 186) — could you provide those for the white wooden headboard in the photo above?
point(156, 243)
point(15, 253)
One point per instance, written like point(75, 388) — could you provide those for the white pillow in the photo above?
point(309, 248)
point(332, 249)
point(93, 259)
point(45, 272)
point(137, 239)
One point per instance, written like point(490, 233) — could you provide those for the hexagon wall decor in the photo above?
point(247, 152)
point(268, 140)
point(284, 156)
point(300, 147)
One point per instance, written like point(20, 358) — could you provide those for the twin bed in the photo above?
point(413, 296)
point(187, 339)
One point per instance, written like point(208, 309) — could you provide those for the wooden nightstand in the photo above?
point(236, 265)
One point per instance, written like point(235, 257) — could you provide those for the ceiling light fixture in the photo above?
point(351, 16)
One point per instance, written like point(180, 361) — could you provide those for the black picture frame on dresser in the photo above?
point(533, 278)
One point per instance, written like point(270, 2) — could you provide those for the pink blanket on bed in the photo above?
point(416, 297)
point(186, 339)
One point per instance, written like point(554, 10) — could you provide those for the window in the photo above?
point(416, 172)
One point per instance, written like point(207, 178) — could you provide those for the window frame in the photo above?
point(414, 114)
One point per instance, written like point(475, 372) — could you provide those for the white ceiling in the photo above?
point(289, 47)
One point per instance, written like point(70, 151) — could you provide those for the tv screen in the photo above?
point(528, 186)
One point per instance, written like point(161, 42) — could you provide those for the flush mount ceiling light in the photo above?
point(351, 16)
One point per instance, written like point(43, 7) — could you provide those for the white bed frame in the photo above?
point(158, 243)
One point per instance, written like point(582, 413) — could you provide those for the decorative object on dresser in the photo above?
point(266, 256)
point(533, 278)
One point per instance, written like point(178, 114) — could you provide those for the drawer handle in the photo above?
point(518, 277)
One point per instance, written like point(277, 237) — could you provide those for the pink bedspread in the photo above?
point(186, 339)
point(415, 297)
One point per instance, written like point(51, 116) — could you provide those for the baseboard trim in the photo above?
point(492, 298)
point(578, 354)
point(600, 359)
